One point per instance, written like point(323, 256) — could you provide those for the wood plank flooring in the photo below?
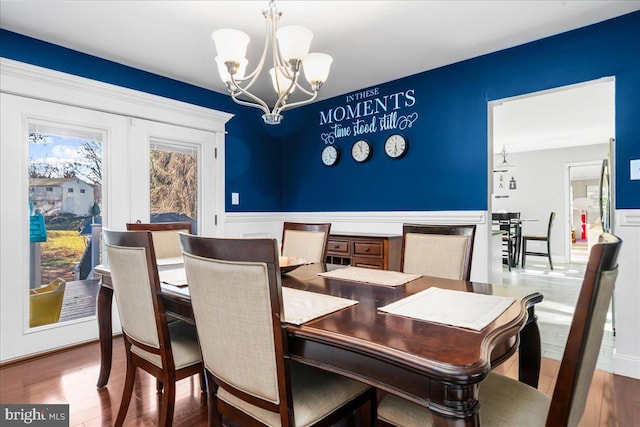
point(70, 376)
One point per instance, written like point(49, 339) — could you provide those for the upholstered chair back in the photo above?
point(166, 242)
point(306, 241)
point(439, 251)
point(133, 292)
point(232, 299)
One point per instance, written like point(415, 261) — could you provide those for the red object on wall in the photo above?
point(583, 220)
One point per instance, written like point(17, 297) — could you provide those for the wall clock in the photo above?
point(330, 155)
point(361, 151)
point(396, 146)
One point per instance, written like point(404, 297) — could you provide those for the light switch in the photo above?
point(635, 169)
point(235, 198)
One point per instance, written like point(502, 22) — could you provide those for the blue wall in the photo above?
point(446, 166)
point(254, 158)
point(278, 168)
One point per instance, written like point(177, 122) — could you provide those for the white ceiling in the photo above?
point(571, 116)
point(372, 42)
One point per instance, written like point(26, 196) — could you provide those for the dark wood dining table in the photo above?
point(434, 365)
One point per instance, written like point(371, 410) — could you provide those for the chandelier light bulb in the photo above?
point(231, 44)
point(280, 82)
point(294, 41)
point(316, 68)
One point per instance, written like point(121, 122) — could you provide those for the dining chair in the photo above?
point(509, 224)
point(168, 351)
point(507, 402)
point(45, 303)
point(546, 238)
point(236, 292)
point(438, 250)
point(165, 236)
point(306, 241)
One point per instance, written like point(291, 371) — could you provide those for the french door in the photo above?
point(27, 123)
point(130, 154)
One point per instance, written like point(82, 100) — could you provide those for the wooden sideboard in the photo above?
point(378, 251)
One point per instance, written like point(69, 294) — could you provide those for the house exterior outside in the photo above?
point(66, 195)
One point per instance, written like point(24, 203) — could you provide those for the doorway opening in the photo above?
point(546, 151)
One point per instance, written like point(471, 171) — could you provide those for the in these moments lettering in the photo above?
point(367, 112)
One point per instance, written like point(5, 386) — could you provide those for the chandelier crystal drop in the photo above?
point(289, 47)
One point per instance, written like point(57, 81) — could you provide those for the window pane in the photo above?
point(65, 197)
point(173, 184)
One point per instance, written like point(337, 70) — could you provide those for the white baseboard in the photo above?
point(629, 366)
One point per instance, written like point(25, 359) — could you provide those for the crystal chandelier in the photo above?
point(290, 53)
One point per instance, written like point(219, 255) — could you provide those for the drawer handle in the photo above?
point(366, 249)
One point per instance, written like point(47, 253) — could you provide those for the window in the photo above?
point(49, 188)
point(82, 191)
point(69, 190)
point(173, 182)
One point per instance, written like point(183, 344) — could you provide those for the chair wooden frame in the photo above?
point(602, 259)
point(546, 238)
point(159, 226)
point(261, 251)
point(467, 231)
point(168, 374)
point(300, 226)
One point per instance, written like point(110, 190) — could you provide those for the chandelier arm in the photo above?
point(296, 104)
point(249, 104)
point(310, 93)
point(282, 100)
point(253, 76)
point(234, 94)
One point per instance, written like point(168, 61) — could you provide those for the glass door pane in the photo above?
point(173, 183)
point(65, 204)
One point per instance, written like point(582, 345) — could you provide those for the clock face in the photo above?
point(396, 146)
point(330, 155)
point(361, 151)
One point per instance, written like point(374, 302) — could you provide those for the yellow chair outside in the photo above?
point(45, 303)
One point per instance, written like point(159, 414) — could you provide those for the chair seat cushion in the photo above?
point(184, 345)
point(316, 393)
point(503, 402)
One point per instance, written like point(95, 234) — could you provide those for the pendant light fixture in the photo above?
point(290, 55)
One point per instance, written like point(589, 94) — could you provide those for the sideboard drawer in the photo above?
point(369, 249)
point(368, 263)
point(338, 247)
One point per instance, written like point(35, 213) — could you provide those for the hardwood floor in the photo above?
point(70, 376)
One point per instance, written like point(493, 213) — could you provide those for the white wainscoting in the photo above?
point(626, 357)
point(627, 315)
point(270, 225)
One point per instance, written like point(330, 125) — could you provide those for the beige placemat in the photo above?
point(368, 275)
point(456, 308)
point(302, 306)
point(173, 276)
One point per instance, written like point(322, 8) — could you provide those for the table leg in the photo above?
point(529, 352)
point(104, 302)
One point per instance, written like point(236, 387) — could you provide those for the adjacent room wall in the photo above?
point(540, 178)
